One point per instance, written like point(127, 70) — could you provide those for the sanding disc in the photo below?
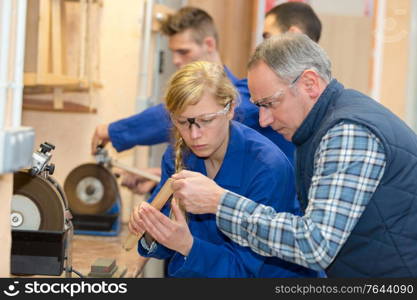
point(36, 204)
point(91, 189)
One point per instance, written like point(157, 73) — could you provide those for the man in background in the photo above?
point(292, 17)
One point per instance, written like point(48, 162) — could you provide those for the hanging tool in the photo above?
point(103, 158)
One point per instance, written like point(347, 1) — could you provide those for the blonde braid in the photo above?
point(180, 147)
point(179, 151)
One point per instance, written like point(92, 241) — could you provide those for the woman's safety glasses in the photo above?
point(201, 121)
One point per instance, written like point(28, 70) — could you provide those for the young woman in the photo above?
point(201, 102)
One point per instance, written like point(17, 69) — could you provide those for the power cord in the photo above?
point(70, 269)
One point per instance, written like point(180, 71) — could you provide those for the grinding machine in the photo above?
point(93, 195)
point(40, 220)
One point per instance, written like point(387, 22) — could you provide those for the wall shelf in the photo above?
point(67, 106)
point(62, 54)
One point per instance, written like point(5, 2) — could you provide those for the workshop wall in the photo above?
point(350, 52)
point(71, 132)
point(396, 56)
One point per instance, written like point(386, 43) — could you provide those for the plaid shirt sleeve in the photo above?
point(348, 166)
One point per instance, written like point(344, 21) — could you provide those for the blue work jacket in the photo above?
point(255, 168)
point(153, 125)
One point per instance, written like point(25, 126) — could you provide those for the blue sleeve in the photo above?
point(151, 126)
point(282, 197)
point(229, 260)
point(207, 259)
point(167, 166)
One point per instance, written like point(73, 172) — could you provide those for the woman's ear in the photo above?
point(231, 112)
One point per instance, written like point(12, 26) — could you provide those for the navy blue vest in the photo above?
point(384, 241)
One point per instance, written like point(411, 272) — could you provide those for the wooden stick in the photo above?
point(158, 202)
point(140, 266)
point(139, 172)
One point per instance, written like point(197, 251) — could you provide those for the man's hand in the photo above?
point(173, 234)
point(197, 193)
point(100, 137)
point(138, 184)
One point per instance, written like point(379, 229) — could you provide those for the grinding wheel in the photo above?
point(91, 189)
point(36, 204)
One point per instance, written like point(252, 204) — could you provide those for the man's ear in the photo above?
point(311, 83)
point(210, 43)
point(295, 29)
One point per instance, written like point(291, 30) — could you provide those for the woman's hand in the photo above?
point(134, 225)
point(173, 234)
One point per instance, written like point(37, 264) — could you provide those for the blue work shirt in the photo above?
point(153, 125)
point(255, 168)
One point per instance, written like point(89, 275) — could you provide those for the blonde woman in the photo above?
point(201, 100)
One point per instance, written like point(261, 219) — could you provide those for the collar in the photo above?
point(229, 74)
point(317, 113)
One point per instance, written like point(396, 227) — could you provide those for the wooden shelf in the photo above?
point(33, 79)
point(61, 55)
point(42, 105)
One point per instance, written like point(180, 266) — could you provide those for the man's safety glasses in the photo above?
point(269, 102)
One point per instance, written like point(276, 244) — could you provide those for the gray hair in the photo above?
point(289, 54)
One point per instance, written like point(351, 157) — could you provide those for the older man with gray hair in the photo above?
point(356, 169)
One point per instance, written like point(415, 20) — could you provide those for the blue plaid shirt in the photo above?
point(349, 164)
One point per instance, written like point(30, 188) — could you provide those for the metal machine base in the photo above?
point(39, 252)
point(107, 224)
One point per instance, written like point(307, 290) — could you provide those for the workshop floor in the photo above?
point(86, 249)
